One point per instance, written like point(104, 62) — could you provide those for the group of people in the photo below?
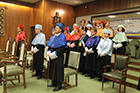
point(95, 41)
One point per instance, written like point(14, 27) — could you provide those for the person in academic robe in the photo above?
point(81, 49)
point(99, 29)
point(94, 23)
point(91, 53)
point(120, 40)
point(83, 24)
point(53, 31)
point(21, 36)
point(74, 25)
point(107, 26)
point(38, 45)
point(104, 50)
point(88, 22)
point(67, 34)
point(72, 44)
point(55, 54)
point(69, 29)
point(89, 26)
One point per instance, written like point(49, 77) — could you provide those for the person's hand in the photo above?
point(88, 52)
point(32, 52)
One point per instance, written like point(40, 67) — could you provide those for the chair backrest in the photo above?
point(121, 62)
point(22, 51)
point(8, 44)
point(64, 58)
point(45, 51)
point(13, 47)
point(74, 58)
point(134, 42)
point(45, 55)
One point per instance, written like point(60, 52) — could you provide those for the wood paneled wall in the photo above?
point(14, 16)
point(101, 6)
point(40, 13)
point(45, 10)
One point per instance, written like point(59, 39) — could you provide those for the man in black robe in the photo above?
point(81, 49)
point(55, 53)
point(38, 45)
point(91, 53)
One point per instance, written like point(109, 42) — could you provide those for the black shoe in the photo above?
point(91, 77)
point(88, 75)
point(39, 77)
point(56, 89)
point(35, 75)
point(52, 85)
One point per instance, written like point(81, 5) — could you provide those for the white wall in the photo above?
point(88, 17)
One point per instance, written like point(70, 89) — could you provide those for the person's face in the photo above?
point(18, 29)
point(120, 29)
point(88, 28)
point(93, 33)
point(37, 31)
point(102, 24)
point(53, 32)
point(93, 23)
point(75, 31)
point(83, 32)
point(65, 32)
point(83, 23)
point(107, 24)
point(106, 35)
point(57, 29)
point(98, 24)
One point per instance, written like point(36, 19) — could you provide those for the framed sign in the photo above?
point(131, 22)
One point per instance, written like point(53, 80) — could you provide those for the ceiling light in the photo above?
point(6, 3)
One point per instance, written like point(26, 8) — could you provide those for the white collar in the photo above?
point(57, 34)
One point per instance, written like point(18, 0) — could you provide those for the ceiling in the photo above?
point(29, 1)
point(69, 2)
point(74, 2)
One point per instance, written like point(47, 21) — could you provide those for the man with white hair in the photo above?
point(38, 45)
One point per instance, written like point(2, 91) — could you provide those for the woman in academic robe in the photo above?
point(81, 49)
point(38, 45)
point(21, 36)
point(55, 54)
point(120, 40)
point(91, 53)
point(107, 26)
point(104, 50)
point(67, 34)
point(72, 44)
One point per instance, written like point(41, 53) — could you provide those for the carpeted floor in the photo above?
point(85, 85)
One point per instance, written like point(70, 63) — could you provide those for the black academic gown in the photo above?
point(81, 49)
point(103, 61)
point(38, 57)
point(121, 50)
point(91, 59)
point(56, 72)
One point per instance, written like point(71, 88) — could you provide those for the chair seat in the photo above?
point(114, 75)
point(12, 69)
point(69, 71)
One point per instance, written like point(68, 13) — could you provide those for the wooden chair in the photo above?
point(12, 54)
point(45, 62)
point(13, 70)
point(29, 59)
point(73, 62)
point(120, 65)
point(7, 48)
